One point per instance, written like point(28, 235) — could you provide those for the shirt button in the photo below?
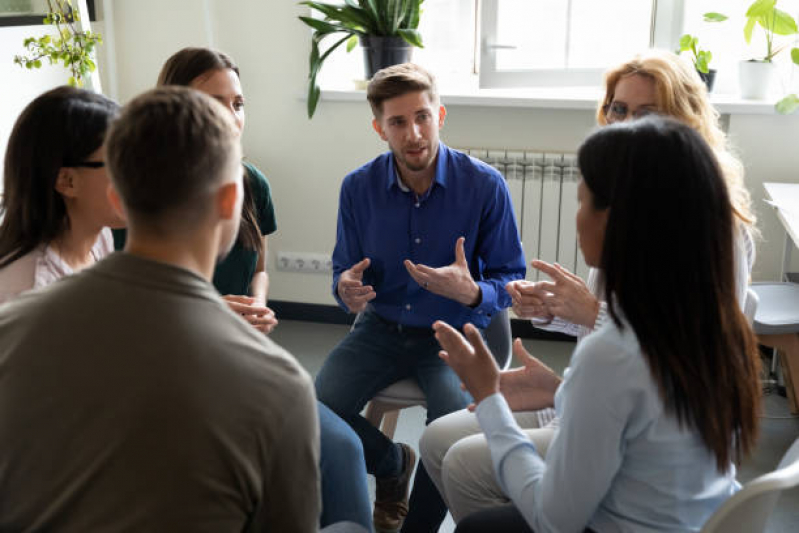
point(407, 307)
point(416, 204)
point(417, 240)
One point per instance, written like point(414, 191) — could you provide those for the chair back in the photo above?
point(498, 338)
point(748, 510)
point(750, 305)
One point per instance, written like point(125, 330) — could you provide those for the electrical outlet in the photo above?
point(304, 262)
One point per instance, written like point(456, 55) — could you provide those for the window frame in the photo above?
point(665, 30)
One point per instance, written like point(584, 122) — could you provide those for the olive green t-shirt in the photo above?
point(234, 273)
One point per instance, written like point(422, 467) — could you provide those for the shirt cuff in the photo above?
point(496, 418)
point(488, 301)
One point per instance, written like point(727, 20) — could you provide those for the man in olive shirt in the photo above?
point(131, 397)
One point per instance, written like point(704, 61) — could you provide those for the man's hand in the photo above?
point(258, 315)
point(351, 289)
point(469, 358)
point(528, 299)
point(569, 297)
point(453, 281)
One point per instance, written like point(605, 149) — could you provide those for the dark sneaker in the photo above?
point(391, 500)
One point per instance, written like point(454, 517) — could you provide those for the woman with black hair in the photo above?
point(661, 400)
point(55, 212)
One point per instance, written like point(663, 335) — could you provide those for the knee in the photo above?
point(436, 441)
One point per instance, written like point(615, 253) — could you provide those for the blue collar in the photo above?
point(393, 177)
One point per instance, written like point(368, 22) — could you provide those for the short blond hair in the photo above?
point(682, 94)
point(399, 80)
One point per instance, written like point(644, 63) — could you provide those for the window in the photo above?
point(568, 42)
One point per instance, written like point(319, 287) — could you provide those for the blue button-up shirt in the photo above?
point(381, 220)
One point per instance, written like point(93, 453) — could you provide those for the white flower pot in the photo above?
point(754, 78)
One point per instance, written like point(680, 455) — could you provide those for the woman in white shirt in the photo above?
point(663, 398)
point(55, 211)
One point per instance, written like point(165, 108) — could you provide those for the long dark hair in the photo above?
point(669, 269)
point(184, 67)
point(59, 128)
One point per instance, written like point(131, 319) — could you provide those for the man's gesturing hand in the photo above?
point(453, 281)
point(569, 297)
point(351, 289)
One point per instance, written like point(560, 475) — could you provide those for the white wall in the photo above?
point(306, 160)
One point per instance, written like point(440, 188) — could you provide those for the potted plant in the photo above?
point(755, 74)
point(70, 45)
point(701, 58)
point(387, 30)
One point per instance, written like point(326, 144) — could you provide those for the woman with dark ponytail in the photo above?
point(663, 399)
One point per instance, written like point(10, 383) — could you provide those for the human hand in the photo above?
point(453, 281)
point(528, 299)
point(351, 289)
point(569, 297)
point(469, 358)
point(258, 315)
point(529, 387)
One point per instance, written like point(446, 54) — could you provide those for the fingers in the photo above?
point(548, 269)
point(247, 309)
point(460, 253)
point(474, 338)
point(415, 273)
point(351, 289)
point(521, 353)
point(361, 266)
point(566, 272)
point(471, 407)
point(239, 299)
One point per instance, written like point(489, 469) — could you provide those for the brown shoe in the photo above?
point(391, 501)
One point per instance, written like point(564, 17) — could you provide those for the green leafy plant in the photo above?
point(70, 46)
point(764, 13)
point(790, 103)
point(355, 18)
point(688, 43)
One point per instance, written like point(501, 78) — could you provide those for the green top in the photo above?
point(234, 274)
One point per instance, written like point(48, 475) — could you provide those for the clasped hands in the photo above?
point(453, 281)
point(529, 387)
point(253, 311)
point(566, 296)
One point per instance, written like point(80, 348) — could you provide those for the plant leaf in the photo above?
point(788, 105)
point(784, 24)
point(412, 37)
point(750, 26)
point(352, 42)
point(320, 25)
point(715, 17)
point(313, 96)
point(795, 55)
point(760, 8)
point(685, 42)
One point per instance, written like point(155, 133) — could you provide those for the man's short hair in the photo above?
point(399, 80)
point(170, 148)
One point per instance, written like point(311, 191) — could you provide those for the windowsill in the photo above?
point(569, 98)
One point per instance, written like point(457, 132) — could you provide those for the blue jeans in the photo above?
point(375, 354)
point(345, 494)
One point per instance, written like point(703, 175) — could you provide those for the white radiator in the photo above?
point(543, 187)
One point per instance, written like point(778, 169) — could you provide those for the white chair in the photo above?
point(748, 510)
point(750, 305)
point(383, 410)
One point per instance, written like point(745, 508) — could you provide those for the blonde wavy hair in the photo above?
point(681, 94)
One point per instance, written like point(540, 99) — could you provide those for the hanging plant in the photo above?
point(70, 46)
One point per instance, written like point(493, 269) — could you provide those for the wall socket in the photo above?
point(304, 262)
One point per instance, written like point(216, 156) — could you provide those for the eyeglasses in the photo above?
point(87, 164)
point(618, 112)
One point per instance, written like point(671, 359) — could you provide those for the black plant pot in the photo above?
point(381, 52)
point(709, 78)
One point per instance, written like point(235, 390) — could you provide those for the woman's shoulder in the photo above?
point(255, 175)
point(19, 275)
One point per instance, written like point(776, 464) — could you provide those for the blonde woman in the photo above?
point(655, 82)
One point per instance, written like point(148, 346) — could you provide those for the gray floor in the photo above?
point(311, 342)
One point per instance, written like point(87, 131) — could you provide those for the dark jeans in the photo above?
point(375, 354)
point(506, 519)
point(345, 492)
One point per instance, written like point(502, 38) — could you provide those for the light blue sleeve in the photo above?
point(563, 493)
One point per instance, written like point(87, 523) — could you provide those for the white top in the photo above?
point(618, 462)
point(42, 266)
point(744, 261)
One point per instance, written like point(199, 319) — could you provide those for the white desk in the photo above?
point(784, 197)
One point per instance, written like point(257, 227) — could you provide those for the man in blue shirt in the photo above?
point(425, 233)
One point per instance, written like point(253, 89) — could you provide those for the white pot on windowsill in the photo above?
point(754, 78)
